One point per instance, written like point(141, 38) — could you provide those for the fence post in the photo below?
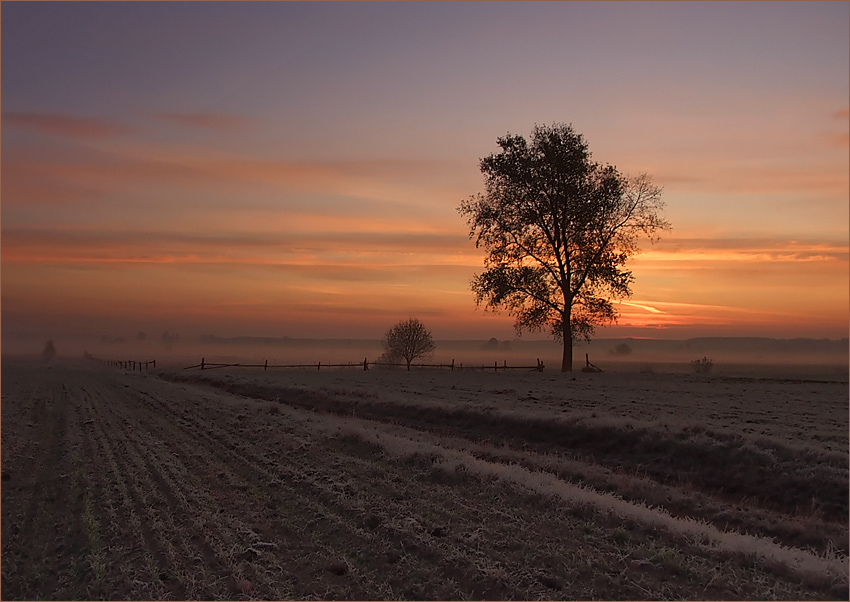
point(365, 365)
point(266, 365)
point(202, 363)
point(506, 363)
point(319, 367)
point(453, 365)
point(495, 366)
point(153, 362)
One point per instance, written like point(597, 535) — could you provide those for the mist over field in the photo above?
point(729, 354)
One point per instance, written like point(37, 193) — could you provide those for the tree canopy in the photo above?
point(558, 229)
point(407, 340)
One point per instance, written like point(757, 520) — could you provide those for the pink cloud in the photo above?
point(837, 140)
point(210, 121)
point(123, 168)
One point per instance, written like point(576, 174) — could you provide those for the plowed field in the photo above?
point(442, 485)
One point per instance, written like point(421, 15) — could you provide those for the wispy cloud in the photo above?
point(708, 176)
point(220, 122)
point(56, 124)
point(839, 139)
point(123, 167)
point(722, 250)
point(649, 308)
point(369, 251)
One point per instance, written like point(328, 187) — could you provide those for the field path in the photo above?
point(126, 485)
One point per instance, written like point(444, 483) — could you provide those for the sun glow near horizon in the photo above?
point(334, 213)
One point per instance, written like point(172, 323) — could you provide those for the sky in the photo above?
point(294, 169)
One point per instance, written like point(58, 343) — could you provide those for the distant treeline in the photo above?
point(696, 345)
point(746, 345)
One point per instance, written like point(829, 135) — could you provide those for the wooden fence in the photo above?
point(126, 364)
point(204, 365)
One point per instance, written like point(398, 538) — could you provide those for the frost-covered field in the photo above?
point(429, 484)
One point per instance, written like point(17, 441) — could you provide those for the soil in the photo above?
point(355, 485)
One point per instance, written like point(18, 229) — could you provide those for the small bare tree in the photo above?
point(408, 340)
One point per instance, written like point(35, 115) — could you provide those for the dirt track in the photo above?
point(120, 485)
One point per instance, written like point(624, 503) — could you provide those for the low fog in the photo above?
point(728, 354)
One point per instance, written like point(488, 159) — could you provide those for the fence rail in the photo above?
point(205, 365)
point(126, 364)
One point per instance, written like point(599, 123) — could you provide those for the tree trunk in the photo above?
point(567, 363)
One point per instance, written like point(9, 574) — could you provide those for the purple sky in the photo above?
point(295, 168)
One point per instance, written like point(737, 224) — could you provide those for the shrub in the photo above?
point(702, 365)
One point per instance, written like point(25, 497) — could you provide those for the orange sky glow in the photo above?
point(238, 191)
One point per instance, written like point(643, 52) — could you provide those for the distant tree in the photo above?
point(49, 351)
point(408, 340)
point(558, 229)
point(702, 365)
point(622, 349)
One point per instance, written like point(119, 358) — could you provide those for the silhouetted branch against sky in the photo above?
point(558, 229)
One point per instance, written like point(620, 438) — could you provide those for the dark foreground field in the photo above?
point(432, 485)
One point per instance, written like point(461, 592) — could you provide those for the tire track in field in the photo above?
point(146, 553)
point(252, 469)
point(732, 473)
point(182, 471)
point(485, 569)
point(176, 499)
point(355, 420)
point(190, 553)
point(335, 508)
point(94, 469)
point(181, 492)
point(228, 489)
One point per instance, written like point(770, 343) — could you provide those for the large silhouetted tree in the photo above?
point(408, 340)
point(558, 229)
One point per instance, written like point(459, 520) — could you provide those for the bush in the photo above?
point(703, 365)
